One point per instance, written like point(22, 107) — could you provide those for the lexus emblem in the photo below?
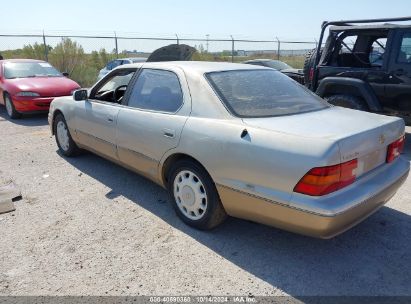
point(382, 139)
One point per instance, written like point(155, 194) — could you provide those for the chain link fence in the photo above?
point(82, 56)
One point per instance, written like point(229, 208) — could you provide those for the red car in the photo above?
point(29, 86)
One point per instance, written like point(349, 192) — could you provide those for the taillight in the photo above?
point(324, 180)
point(311, 76)
point(395, 149)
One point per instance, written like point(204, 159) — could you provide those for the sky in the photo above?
point(259, 19)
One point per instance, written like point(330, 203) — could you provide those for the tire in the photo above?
point(66, 144)
point(194, 195)
point(10, 109)
point(347, 101)
point(308, 64)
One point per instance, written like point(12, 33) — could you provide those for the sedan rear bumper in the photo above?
point(346, 208)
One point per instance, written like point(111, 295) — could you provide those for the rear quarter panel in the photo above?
point(264, 163)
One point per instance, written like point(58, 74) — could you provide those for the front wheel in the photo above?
point(11, 111)
point(195, 197)
point(63, 138)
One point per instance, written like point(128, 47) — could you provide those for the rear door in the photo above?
point(156, 109)
point(398, 88)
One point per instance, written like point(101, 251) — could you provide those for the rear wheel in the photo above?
point(347, 101)
point(11, 110)
point(63, 138)
point(195, 197)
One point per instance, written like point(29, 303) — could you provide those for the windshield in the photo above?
point(278, 65)
point(263, 93)
point(29, 69)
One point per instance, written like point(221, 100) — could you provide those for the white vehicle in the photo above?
point(115, 63)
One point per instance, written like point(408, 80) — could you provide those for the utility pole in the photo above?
point(278, 47)
point(207, 36)
point(116, 44)
point(232, 48)
point(46, 50)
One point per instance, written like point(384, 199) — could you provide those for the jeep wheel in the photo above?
point(308, 65)
point(347, 101)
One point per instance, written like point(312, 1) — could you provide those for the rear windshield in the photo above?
point(29, 69)
point(263, 93)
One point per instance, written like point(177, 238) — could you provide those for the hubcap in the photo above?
point(190, 195)
point(62, 135)
point(9, 107)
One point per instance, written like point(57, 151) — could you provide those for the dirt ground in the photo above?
point(89, 227)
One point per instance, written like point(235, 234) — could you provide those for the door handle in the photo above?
point(168, 133)
point(110, 118)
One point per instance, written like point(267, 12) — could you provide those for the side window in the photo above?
point(110, 65)
point(116, 63)
point(377, 51)
point(157, 90)
point(404, 54)
point(105, 91)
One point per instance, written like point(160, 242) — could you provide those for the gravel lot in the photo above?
point(89, 227)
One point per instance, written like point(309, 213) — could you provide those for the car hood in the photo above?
point(45, 86)
point(355, 132)
point(172, 52)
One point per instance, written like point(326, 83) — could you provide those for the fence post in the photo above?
point(116, 44)
point(178, 40)
point(46, 51)
point(232, 48)
point(278, 48)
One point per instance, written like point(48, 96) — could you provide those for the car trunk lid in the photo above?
point(359, 135)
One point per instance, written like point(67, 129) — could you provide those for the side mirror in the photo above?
point(80, 94)
point(65, 74)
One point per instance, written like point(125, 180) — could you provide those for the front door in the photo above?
point(156, 109)
point(96, 126)
point(95, 119)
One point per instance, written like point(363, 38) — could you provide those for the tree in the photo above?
point(95, 59)
point(35, 51)
point(67, 55)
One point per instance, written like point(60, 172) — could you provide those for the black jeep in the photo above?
point(365, 67)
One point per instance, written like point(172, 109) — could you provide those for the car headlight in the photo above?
point(28, 94)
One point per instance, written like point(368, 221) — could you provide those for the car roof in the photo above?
point(132, 58)
point(384, 26)
point(21, 60)
point(199, 67)
point(261, 60)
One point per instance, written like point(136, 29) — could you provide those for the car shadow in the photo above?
point(373, 258)
point(28, 120)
